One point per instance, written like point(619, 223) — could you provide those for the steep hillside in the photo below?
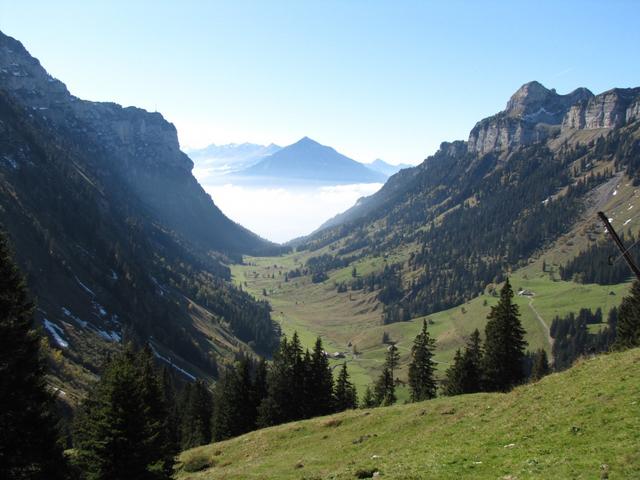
point(308, 160)
point(476, 209)
point(582, 423)
point(114, 233)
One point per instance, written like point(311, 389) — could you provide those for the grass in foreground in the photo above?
point(582, 423)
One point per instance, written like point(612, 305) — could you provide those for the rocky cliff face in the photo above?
point(140, 147)
point(532, 114)
point(114, 234)
point(610, 109)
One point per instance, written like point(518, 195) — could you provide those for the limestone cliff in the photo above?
point(532, 114)
point(610, 109)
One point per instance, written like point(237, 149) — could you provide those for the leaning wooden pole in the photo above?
point(619, 244)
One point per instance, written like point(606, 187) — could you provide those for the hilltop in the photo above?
point(582, 423)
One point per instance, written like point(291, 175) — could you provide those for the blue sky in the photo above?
point(372, 79)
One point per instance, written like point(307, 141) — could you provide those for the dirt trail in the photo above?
point(545, 327)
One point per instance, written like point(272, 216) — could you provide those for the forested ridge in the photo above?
point(473, 218)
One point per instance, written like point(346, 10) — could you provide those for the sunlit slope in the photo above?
point(356, 317)
point(582, 423)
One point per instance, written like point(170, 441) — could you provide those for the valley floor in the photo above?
point(353, 319)
point(582, 423)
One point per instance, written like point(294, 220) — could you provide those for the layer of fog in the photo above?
point(283, 212)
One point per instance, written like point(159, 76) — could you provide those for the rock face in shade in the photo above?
point(114, 234)
point(140, 147)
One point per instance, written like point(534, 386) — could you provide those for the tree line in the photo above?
point(134, 420)
point(600, 263)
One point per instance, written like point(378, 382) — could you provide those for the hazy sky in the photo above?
point(372, 79)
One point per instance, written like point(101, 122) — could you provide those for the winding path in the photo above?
point(545, 327)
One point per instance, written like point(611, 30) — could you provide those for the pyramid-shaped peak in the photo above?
point(306, 141)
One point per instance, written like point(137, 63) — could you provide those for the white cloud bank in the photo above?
point(283, 213)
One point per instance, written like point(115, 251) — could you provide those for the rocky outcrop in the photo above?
point(610, 109)
point(134, 135)
point(139, 148)
point(532, 114)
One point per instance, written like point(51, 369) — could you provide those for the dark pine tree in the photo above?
point(28, 434)
point(422, 382)
point(628, 321)
point(259, 390)
point(392, 358)
point(540, 367)
point(344, 397)
point(368, 400)
point(236, 400)
point(465, 375)
point(453, 376)
point(385, 389)
point(120, 427)
point(320, 382)
point(472, 364)
point(196, 408)
point(172, 421)
point(285, 385)
point(504, 348)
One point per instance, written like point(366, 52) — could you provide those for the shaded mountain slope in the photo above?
point(116, 237)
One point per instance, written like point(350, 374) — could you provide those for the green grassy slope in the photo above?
point(582, 423)
point(339, 318)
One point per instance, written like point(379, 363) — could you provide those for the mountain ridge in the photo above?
point(116, 237)
point(503, 133)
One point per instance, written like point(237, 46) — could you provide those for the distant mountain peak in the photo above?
point(308, 160)
point(307, 141)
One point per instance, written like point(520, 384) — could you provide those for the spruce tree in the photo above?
point(321, 382)
point(385, 388)
point(470, 379)
point(392, 358)
point(540, 366)
point(345, 397)
point(422, 382)
point(235, 410)
point(195, 412)
point(28, 433)
point(504, 350)
point(368, 400)
point(259, 386)
point(284, 381)
point(628, 321)
point(172, 421)
point(120, 430)
point(453, 376)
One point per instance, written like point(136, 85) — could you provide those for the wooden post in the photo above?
point(619, 244)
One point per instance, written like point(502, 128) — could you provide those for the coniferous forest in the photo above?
point(463, 316)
